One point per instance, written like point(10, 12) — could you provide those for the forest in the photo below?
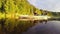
point(12, 9)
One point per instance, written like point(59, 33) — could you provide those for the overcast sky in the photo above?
point(50, 5)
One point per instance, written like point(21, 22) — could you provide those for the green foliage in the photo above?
point(13, 6)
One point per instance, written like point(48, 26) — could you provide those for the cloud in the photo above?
point(52, 5)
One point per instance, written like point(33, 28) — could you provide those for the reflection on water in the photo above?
point(52, 27)
point(13, 26)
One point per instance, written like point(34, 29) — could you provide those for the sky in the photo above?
point(50, 5)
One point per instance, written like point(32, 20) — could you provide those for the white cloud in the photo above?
point(52, 5)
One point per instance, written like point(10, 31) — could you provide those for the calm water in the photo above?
point(52, 27)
